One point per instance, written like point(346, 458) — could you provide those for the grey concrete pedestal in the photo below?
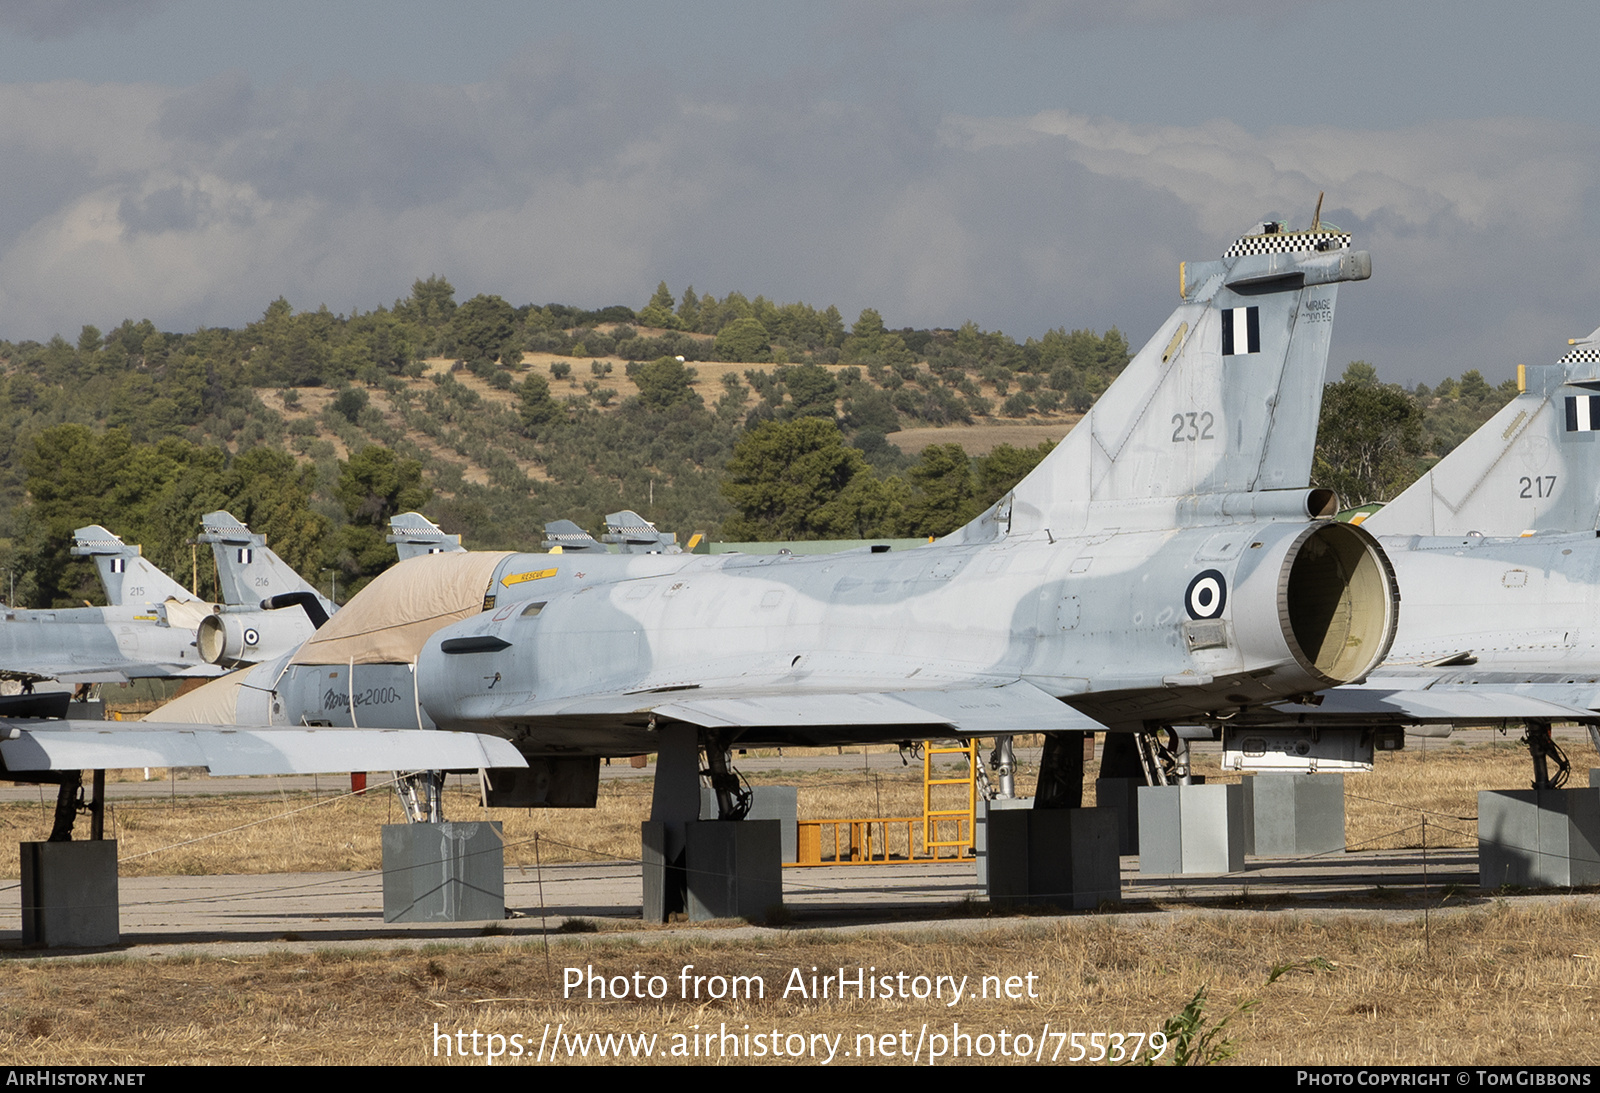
point(450, 872)
point(1122, 796)
point(1057, 857)
point(781, 803)
point(1294, 815)
point(69, 894)
point(1539, 838)
point(726, 869)
point(980, 830)
point(734, 868)
point(1191, 829)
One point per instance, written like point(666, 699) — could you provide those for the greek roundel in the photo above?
point(1207, 595)
point(1241, 331)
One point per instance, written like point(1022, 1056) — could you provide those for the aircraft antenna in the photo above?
point(1316, 217)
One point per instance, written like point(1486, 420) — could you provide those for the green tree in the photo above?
point(349, 403)
point(743, 340)
point(1005, 466)
point(537, 407)
point(484, 327)
point(373, 486)
point(658, 312)
point(788, 480)
point(272, 493)
point(665, 383)
point(944, 495)
point(432, 303)
point(812, 389)
point(1368, 439)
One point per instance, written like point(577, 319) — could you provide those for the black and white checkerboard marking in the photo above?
point(1287, 243)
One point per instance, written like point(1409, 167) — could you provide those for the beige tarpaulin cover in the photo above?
point(388, 622)
point(216, 703)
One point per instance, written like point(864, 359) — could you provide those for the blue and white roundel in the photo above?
point(1207, 595)
point(251, 637)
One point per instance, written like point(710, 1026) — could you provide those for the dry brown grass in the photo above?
point(1496, 986)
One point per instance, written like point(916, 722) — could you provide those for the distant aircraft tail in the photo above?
point(1534, 466)
point(413, 534)
point(248, 572)
point(569, 538)
point(127, 576)
point(1215, 413)
point(635, 535)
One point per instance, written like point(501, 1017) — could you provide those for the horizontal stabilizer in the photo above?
point(98, 745)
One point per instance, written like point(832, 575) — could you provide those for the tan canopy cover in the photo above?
point(390, 619)
point(216, 703)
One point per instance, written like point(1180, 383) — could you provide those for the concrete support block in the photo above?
point(69, 894)
point(1121, 795)
point(734, 868)
point(665, 889)
point(781, 803)
point(1539, 838)
point(1191, 829)
point(1061, 857)
point(1294, 815)
point(450, 872)
point(980, 834)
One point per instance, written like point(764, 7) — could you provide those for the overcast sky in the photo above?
point(1022, 164)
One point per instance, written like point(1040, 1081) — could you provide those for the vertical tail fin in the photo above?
point(248, 572)
point(1220, 406)
point(568, 537)
point(127, 576)
point(636, 535)
point(1534, 466)
point(413, 534)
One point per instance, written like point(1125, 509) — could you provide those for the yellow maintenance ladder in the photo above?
point(947, 828)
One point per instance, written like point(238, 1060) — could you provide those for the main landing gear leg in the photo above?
point(1003, 761)
point(1060, 772)
point(421, 796)
point(1542, 749)
point(733, 799)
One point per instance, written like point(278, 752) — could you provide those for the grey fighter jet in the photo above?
point(1496, 555)
point(1164, 563)
point(136, 639)
point(147, 632)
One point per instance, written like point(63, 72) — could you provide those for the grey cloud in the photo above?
point(559, 179)
point(47, 20)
